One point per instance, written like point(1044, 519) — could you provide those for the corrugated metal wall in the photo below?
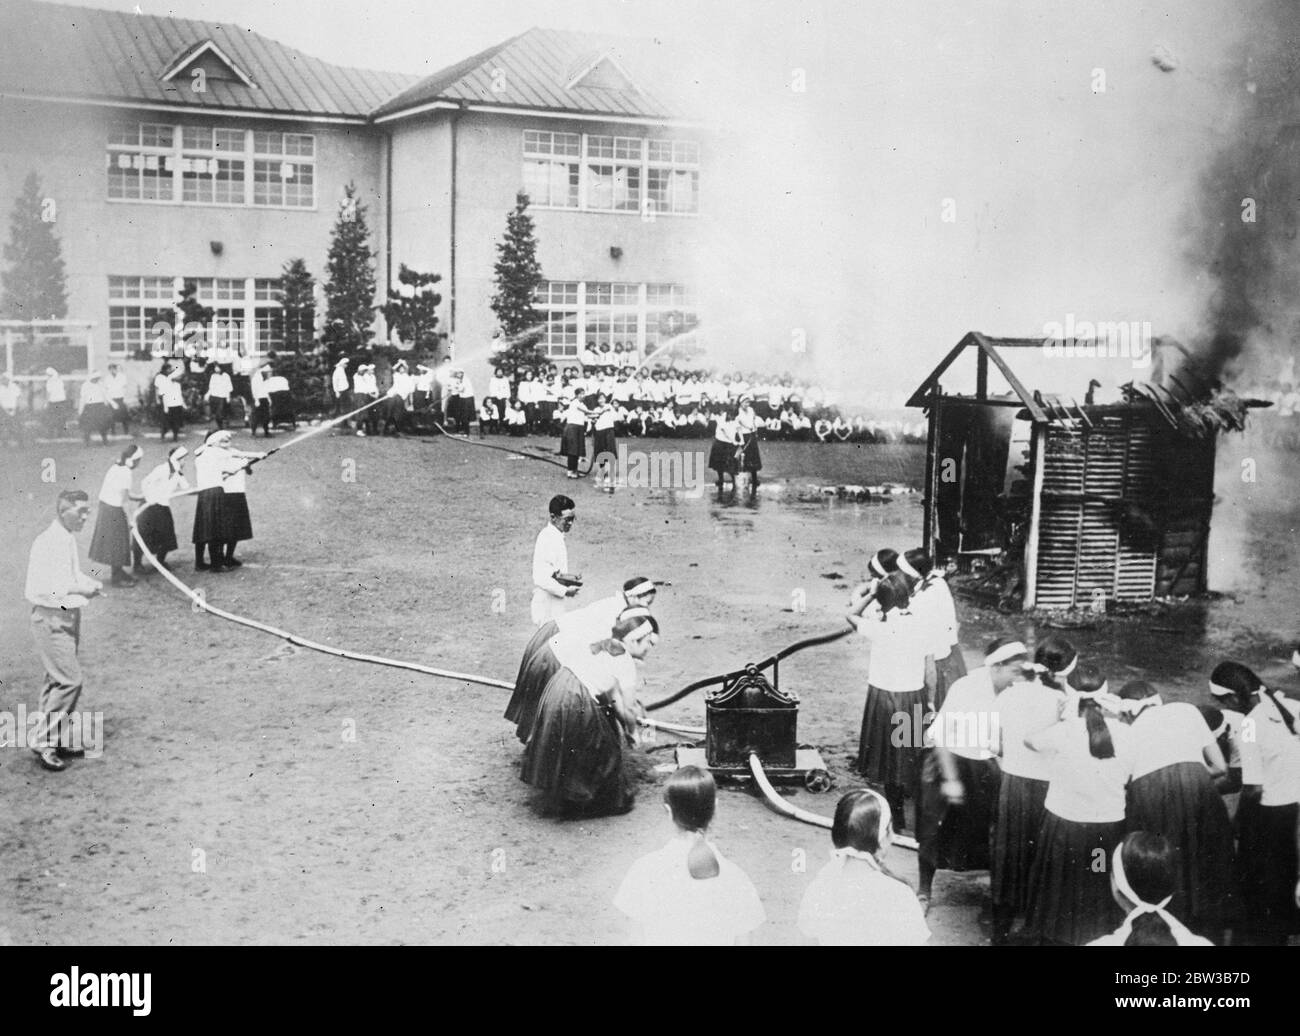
point(1088, 540)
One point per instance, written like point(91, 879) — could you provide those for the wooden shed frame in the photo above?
point(1119, 498)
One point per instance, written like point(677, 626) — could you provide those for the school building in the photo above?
point(181, 149)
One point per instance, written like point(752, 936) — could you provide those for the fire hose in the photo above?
point(825, 638)
point(507, 449)
point(794, 812)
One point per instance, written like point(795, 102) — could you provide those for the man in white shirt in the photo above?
point(57, 590)
point(552, 582)
point(115, 386)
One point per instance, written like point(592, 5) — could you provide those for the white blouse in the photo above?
point(1023, 709)
point(898, 649)
point(160, 484)
point(116, 486)
point(1270, 754)
point(850, 903)
point(1165, 735)
point(1082, 788)
point(675, 909)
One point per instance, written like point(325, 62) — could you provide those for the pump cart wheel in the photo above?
point(817, 781)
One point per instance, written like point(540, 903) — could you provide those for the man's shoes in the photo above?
point(71, 753)
point(232, 563)
point(201, 566)
point(49, 759)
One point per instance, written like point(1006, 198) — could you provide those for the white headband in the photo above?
point(643, 587)
point(1069, 668)
point(635, 633)
point(1218, 690)
point(907, 569)
point(1141, 907)
point(877, 567)
point(1006, 652)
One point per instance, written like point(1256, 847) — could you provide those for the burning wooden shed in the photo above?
point(1089, 485)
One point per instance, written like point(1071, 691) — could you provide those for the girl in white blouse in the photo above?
point(688, 893)
point(155, 524)
point(1172, 793)
point(1090, 759)
point(855, 900)
point(891, 746)
point(111, 544)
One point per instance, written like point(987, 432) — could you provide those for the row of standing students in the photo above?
point(1035, 771)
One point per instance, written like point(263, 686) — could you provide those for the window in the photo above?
point(246, 313)
point(601, 173)
point(206, 165)
point(137, 305)
point(141, 161)
point(551, 168)
point(673, 176)
point(558, 300)
point(600, 313)
point(614, 173)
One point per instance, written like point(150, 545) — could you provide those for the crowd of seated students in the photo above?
point(678, 403)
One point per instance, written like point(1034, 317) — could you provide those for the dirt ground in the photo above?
point(252, 792)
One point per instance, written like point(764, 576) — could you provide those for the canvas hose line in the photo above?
point(323, 426)
point(795, 813)
point(506, 449)
point(825, 638)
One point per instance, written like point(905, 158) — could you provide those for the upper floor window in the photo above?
point(601, 173)
point(209, 165)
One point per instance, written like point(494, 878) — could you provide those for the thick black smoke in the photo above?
point(1249, 206)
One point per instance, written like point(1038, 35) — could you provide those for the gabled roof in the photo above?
point(191, 55)
point(545, 69)
point(54, 51)
point(988, 347)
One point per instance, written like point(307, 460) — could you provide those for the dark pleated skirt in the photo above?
point(722, 457)
point(879, 759)
point(956, 838)
point(157, 528)
point(947, 671)
point(111, 544)
point(575, 755)
point(535, 671)
point(235, 520)
point(1267, 868)
point(751, 459)
point(573, 441)
point(1181, 803)
point(605, 442)
point(96, 418)
point(1017, 823)
point(1069, 882)
point(208, 516)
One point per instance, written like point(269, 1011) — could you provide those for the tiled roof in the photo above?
point(53, 50)
point(535, 70)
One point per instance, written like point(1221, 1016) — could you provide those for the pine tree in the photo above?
point(412, 308)
point(350, 280)
point(34, 286)
point(298, 306)
point(518, 275)
point(195, 319)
